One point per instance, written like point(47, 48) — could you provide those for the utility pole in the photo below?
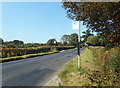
point(79, 47)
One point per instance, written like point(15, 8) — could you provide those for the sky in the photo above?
point(35, 22)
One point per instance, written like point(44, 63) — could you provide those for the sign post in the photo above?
point(76, 25)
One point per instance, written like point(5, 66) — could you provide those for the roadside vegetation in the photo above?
point(10, 52)
point(100, 62)
point(25, 56)
point(17, 49)
point(94, 70)
point(31, 55)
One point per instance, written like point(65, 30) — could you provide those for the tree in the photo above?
point(65, 43)
point(11, 45)
point(73, 39)
point(86, 34)
point(59, 44)
point(65, 39)
point(102, 17)
point(101, 40)
point(52, 42)
point(18, 42)
point(1, 41)
point(95, 40)
point(92, 41)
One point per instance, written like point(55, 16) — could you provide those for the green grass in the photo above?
point(92, 72)
point(11, 58)
point(71, 75)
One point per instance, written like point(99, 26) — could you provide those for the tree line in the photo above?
point(18, 44)
point(66, 40)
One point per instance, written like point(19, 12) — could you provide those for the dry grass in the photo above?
point(72, 76)
point(92, 72)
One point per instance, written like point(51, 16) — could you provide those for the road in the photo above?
point(35, 71)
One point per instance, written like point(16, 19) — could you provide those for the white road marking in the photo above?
point(53, 79)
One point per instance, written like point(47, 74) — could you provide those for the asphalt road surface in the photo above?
point(35, 71)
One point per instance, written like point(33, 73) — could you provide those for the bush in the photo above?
point(92, 40)
point(109, 59)
point(10, 52)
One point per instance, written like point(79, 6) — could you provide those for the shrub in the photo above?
point(92, 40)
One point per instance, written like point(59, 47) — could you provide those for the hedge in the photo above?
point(10, 52)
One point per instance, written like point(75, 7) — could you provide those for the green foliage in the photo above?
point(10, 52)
point(65, 39)
point(73, 39)
point(109, 75)
point(86, 34)
point(54, 49)
point(59, 44)
point(71, 66)
point(20, 44)
point(102, 17)
point(95, 41)
point(82, 45)
point(14, 42)
point(52, 42)
point(65, 43)
point(25, 56)
point(1, 41)
point(92, 71)
point(92, 41)
point(70, 39)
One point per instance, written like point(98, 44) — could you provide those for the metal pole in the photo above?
point(79, 47)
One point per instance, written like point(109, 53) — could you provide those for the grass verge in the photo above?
point(71, 75)
point(92, 72)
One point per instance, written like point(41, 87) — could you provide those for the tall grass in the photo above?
point(110, 63)
point(93, 72)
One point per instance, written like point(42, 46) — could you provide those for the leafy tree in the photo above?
point(102, 17)
point(65, 43)
point(65, 39)
point(86, 34)
point(95, 40)
point(18, 42)
point(101, 40)
point(1, 41)
point(36, 44)
point(52, 42)
point(11, 45)
point(59, 44)
point(73, 39)
point(92, 40)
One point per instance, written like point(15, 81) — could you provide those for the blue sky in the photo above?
point(35, 21)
